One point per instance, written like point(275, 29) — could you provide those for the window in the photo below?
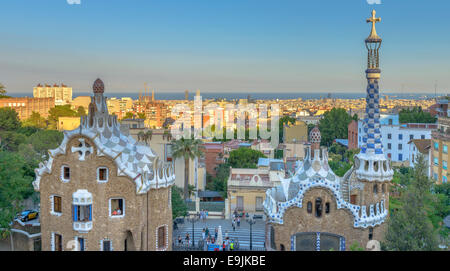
point(162, 239)
point(168, 152)
point(81, 243)
point(106, 245)
point(390, 121)
point(309, 207)
point(370, 233)
point(353, 199)
point(56, 205)
point(389, 146)
point(444, 164)
point(57, 242)
point(435, 176)
point(375, 189)
point(436, 161)
point(411, 137)
point(444, 179)
point(400, 136)
point(389, 155)
point(400, 146)
point(82, 213)
point(116, 208)
point(318, 207)
point(65, 173)
point(445, 149)
point(259, 204)
point(422, 137)
point(389, 136)
point(102, 174)
point(400, 157)
point(436, 146)
point(327, 208)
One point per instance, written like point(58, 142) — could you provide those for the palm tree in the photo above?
point(187, 149)
point(2, 89)
point(145, 136)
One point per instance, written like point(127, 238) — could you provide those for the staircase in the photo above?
point(345, 185)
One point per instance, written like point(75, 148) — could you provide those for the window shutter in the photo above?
point(90, 212)
point(75, 213)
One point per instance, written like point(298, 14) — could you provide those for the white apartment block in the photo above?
point(396, 136)
point(62, 94)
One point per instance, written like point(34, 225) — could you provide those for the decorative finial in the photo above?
point(98, 86)
point(373, 34)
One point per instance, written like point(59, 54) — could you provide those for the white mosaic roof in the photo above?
point(133, 159)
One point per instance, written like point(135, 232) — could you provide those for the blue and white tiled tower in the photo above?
point(371, 164)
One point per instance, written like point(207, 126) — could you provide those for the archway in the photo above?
point(129, 242)
point(317, 241)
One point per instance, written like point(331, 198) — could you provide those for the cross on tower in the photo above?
point(83, 149)
point(373, 20)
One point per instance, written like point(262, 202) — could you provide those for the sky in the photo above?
point(222, 45)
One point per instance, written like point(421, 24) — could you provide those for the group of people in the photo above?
point(236, 221)
point(203, 215)
point(186, 239)
point(209, 239)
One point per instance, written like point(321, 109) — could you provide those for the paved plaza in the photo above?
point(241, 234)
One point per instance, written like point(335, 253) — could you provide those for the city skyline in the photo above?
point(222, 47)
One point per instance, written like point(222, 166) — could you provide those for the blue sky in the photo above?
point(232, 45)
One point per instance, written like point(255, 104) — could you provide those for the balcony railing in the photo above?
point(82, 226)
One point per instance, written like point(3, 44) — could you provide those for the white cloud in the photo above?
point(372, 2)
point(77, 2)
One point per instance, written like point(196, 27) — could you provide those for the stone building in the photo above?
point(25, 106)
point(103, 190)
point(318, 210)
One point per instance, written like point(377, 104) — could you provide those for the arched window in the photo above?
point(318, 207)
point(282, 247)
point(375, 188)
point(370, 233)
point(309, 207)
point(327, 208)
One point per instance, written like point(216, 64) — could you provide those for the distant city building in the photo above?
point(353, 135)
point(186, 94)
point(420, 147)
point(439, 154)
point(26, 106)
point(395, 136)
point(62, 94)
point(68, 123)
point(213, 156)
point(294, 133)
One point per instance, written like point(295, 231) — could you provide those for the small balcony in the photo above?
point(82, 226)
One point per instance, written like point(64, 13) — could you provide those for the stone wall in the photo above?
point(340, 222)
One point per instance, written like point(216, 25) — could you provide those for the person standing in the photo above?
point(238, 222)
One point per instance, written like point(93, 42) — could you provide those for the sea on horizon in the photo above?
point(252, 95)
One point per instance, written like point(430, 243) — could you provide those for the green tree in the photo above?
point(2, 89)
point(179, 207)
point(35, 120)
point(142, 115)
point(334, 124)
point(59, 111)
point(410, 228)
point(81, 111)
point(9, 119)
point(187, 149)
point(245, 158)
point(10, 141)
point(415, 115)
point(15, 186)
point(128, 115)
point(45, 140)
